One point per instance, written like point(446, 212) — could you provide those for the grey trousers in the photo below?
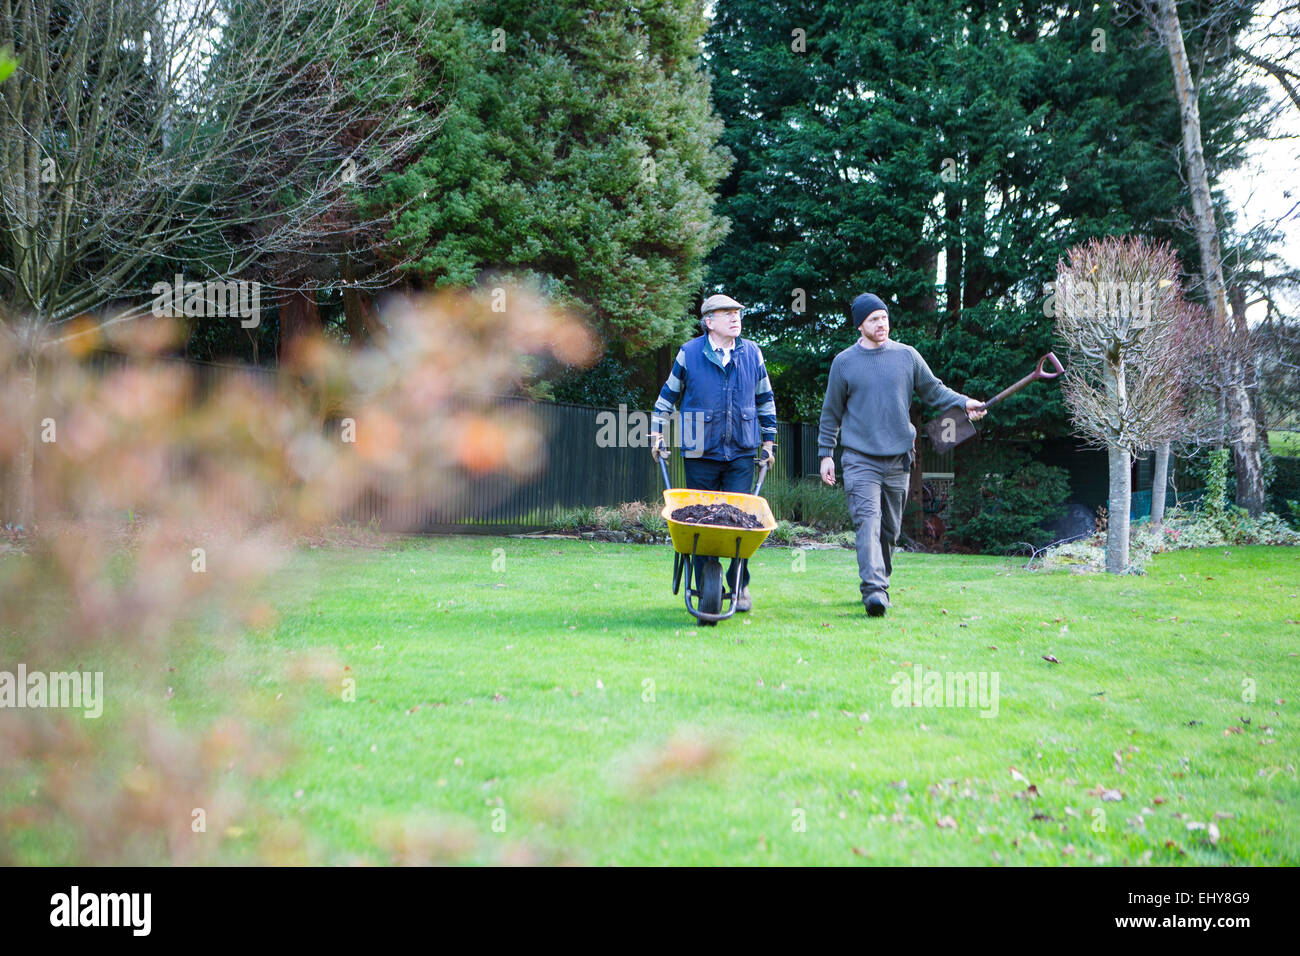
point(877, 490)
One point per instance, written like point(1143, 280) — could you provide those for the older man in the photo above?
point(867, 399)
point(720, 384)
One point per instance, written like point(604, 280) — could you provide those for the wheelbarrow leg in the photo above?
point(734, 586)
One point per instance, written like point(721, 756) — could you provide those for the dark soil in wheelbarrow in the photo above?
point(728, 515)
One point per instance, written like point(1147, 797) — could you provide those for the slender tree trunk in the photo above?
point(1244, 440)
point(975, 273)
point(19, 487)
point(953, 256)
point(1256, 498)
point(1119, 502)
point(1158, 485)
point(1119, 498)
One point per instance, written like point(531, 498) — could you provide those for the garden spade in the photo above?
point(953, 427)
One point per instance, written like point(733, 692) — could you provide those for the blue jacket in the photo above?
point(726, 413)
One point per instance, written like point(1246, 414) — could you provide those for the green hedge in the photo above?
point(1002, 498)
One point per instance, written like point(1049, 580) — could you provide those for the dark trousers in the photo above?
point(708, 474)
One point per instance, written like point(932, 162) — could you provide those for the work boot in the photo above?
point(877, 603)
point(743, 603)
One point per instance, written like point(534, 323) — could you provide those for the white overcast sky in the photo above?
point(1267, 189)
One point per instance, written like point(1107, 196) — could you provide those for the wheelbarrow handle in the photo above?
point(1033, 376)
point(663, 470)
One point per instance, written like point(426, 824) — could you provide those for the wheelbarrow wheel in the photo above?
point(711, 589)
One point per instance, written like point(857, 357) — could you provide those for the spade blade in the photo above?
point(950, 429)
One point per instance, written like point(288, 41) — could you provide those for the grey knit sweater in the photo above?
point(868, 396)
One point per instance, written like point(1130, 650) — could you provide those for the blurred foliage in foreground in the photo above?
point(216, 486)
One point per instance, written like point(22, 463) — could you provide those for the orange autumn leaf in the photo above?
point(482, 445)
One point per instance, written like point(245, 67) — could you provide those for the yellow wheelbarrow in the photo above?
point(712, 542)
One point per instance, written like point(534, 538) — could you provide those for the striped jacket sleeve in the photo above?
point(765, 401)
point(671, 394)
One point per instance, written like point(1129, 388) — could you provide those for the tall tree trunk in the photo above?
point(299, 318)
point(952, 256)
point(975, 272)
point(19, 486)
point(358, 308)
point(1159, 483)
point(1245, 355)
point(1244, 440)
point(921, 307)
point(1119, 500)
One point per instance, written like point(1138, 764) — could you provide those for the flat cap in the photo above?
point(715, 302)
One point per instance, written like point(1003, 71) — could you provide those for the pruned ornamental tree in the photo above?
point(1118, 308)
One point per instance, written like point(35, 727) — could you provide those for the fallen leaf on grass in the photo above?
point(1106, 793)
point(1017, 775)
point(1051, 658)
point(684, 755)
point(947, 823)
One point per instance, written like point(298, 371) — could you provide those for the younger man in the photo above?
point(868, 396)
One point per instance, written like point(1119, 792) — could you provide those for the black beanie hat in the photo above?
point(864, 305)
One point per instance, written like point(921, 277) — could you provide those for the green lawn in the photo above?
point(558, 691)
point(1284, 443)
